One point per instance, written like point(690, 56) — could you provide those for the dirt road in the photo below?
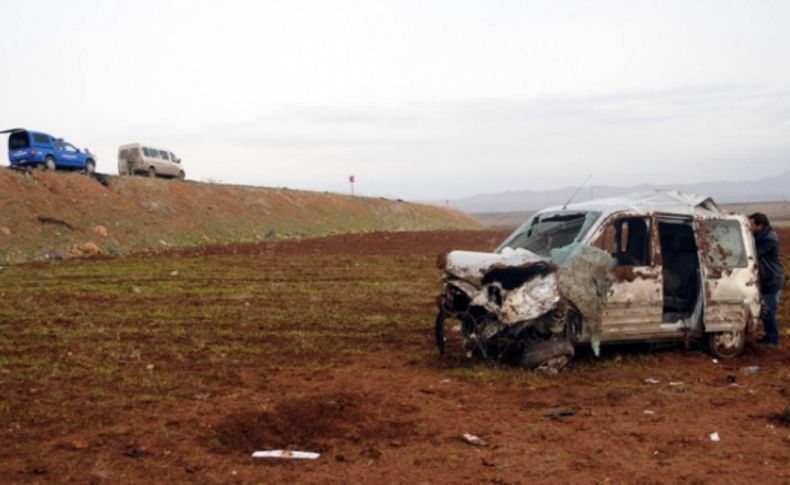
point(177, 366)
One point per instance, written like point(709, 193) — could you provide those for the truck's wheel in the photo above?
point(49, 163)
point(151, 172)
point(725, 345)
point(90, 167)
point(181, 175)
point(551, 355)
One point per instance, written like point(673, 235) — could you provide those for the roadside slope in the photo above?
point(44, 215)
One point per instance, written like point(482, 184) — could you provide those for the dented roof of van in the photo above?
point(664, 201)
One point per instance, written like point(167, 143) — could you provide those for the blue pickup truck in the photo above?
point(36, 149)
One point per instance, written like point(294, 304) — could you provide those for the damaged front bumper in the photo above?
point(514, 306)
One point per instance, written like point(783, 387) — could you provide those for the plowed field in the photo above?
point(176, 366)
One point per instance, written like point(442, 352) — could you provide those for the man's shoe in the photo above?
point(768, 342)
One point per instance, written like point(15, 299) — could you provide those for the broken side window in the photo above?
point(724, 247)
point(627, 240)
point(545, 232)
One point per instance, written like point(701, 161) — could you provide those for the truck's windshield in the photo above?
point(553, 230)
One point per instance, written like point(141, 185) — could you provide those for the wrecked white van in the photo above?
point(649, 267)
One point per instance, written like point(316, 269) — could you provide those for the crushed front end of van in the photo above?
point(518, 307)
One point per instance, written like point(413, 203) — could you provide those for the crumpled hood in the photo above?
point(530, 285)
point(472, 266)
point(525, 282)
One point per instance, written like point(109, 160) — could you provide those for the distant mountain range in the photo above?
point(775, 188)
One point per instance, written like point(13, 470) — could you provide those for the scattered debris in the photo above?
point(559, 413)
point(445, 381)
point(715, 361)
point(752, 369)
point(675, 383)
point(5, 231)
point(174, 272)
point(137, 453)
point(651, 380)
point(473, 440)
point(732, 378)
point(649, 412)
point(287, 454)
point(715, 437)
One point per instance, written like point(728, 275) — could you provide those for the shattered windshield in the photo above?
point(552, 230)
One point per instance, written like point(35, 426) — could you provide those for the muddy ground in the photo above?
point(174, 367)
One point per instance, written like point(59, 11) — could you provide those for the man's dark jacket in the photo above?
point(772, 274)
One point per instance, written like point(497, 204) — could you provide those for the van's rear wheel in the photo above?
point(49, 163)
point(181, 175)
point(151, 172)
point(725, 345)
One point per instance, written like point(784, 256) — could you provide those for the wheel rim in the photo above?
point(727, 343)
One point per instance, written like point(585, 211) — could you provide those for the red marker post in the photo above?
point(351, 180)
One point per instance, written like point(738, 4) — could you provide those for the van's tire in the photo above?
point(152, 172)
point(90, 167)
point(725, 345)
point(181, 175)
point(551, 355)
point(49, 164)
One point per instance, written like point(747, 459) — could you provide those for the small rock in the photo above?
point(90, 248)
point(714, 437)
point(174, 273)
point(373, 452)
point(6, 231)
point(79, 444)
point(150, 367)
point(100, 231)
point(163, 243)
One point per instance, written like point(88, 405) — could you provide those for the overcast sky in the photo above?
point(419, 100)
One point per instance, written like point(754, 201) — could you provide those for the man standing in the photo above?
point(772, 274)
